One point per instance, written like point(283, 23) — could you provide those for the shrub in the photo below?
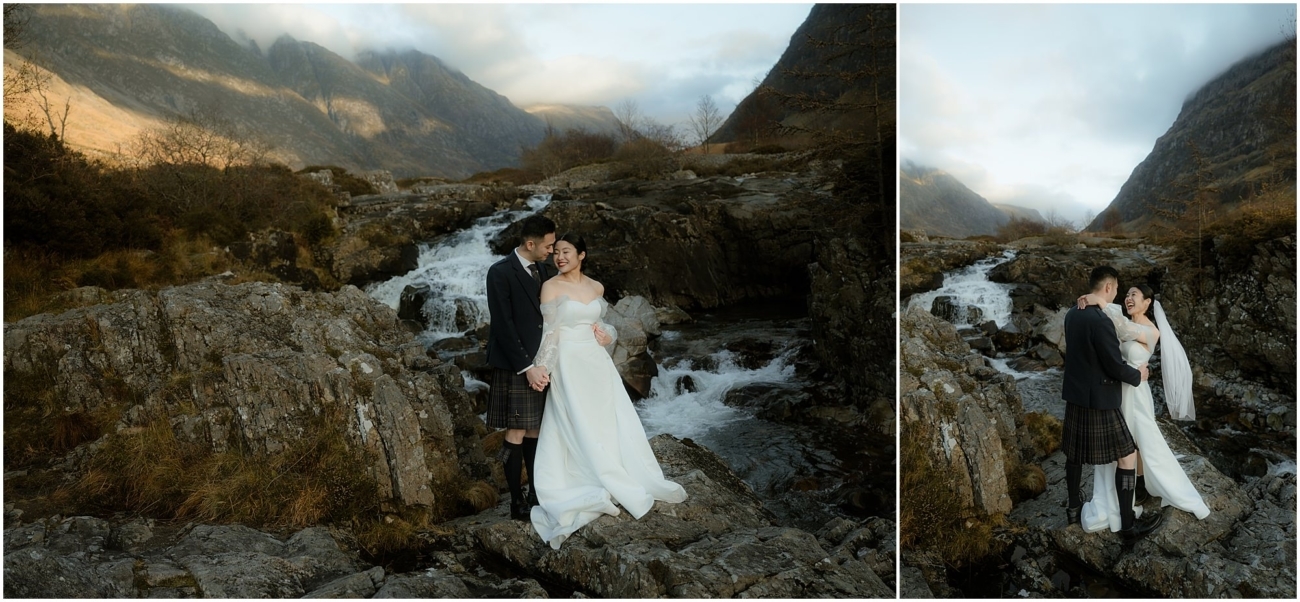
point(1020, 227)
point(559, 152)
point(644, 159)
point(518, 177)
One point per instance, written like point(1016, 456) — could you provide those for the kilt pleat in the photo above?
point(512, 404)
point(1095, 436)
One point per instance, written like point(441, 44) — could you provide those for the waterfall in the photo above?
point(454, 268)
point(970, 287)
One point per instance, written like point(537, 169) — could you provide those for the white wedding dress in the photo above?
point(1165, 478)
point(592, 450)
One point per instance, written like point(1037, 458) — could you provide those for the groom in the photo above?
point(514, 287)
point(1094, 431)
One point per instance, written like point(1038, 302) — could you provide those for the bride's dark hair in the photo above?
point(1147, 293)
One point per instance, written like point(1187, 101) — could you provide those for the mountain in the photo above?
point(934, 201)
point(1241, 123)
point(131, 67)
point(1020, 212)
point(571, 117)
point(835, 40)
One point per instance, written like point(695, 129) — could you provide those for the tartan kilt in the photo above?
point(512, 404)
point(1095, 436)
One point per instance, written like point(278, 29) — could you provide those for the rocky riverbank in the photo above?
point(1009, 518)
point(161, 420)
point(720, 542)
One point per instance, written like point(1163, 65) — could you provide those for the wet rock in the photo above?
point(719, 542)
point(1010, 338)
point(380, 235)
point(945, 308)
point(631, 317)
point(672, 315)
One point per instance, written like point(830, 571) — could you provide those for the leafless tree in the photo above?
point(201, 138)
point(705, 121)
point(21, 81)
point(628, 114)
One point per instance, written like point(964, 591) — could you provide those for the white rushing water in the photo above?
point(970, 287)
point(455, 269)
point(694, 413)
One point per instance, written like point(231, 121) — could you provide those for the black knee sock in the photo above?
point(514, 463)
point(530, 455)
point(1125, 483)
point(1073, 479)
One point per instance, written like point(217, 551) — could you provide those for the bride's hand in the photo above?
point(602, 338)
point(1089, 299)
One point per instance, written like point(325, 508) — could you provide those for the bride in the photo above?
point(1162, 474)
point(592, 450)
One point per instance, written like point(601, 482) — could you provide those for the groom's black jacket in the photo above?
point(1094, 367)
point(516, 313)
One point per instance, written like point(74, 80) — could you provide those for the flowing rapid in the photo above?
point(970, 287)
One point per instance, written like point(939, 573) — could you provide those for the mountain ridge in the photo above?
point(933, 200)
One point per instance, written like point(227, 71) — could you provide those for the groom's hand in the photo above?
point(1143, 370)
point(538, 378)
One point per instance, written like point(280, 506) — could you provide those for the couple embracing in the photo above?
point(558, 395)
point(1109, 413)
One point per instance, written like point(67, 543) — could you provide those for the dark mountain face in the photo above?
point(939, 204)
point(406, 112)
point(842, 53)
point(1236, 134)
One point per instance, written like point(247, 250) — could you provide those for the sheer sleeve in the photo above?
point(607, 327)
point(1125, 328)
point(548, 352)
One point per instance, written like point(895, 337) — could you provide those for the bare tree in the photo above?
point(26, 78)
point(201, 138)
point(628, 114)
point(58, 122)
point(705, 121)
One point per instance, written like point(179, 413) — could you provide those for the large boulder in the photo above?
point(720, 542)
point(254, 366)
point(1244, 548)
point(693, 244)
point(852, 311)
point(965, 412)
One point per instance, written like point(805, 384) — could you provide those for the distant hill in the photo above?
point(812, 50)
point(1243, 125)
point(128, 67)
point(571, 117)
point(1020, 212)
point(934, 201)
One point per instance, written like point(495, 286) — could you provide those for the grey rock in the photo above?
point(131, 536)
point(913, 585)
point(428, 584)
point(244, 575)
point(719, 542)
point(358, 585)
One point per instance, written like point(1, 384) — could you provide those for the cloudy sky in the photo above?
point(1053, 106)
point(663, 56)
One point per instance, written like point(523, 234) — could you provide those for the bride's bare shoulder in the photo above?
point(597, 286)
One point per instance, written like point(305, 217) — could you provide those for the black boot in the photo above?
point(1130, 529)
point(514, 465)
point(530, 456)
point(1074, 503)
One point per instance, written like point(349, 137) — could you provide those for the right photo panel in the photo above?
point(1097, 321)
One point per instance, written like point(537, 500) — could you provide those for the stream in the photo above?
point(716, 374)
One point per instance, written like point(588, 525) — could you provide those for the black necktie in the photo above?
point(537, 275)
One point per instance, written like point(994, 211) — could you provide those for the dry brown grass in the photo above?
point(480, 496)
point(930, 516)
point(1044, 432)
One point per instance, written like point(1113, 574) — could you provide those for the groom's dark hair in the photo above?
point(536, 227)
point(1100, 274)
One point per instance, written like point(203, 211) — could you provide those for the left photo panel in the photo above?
point(450, 301)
